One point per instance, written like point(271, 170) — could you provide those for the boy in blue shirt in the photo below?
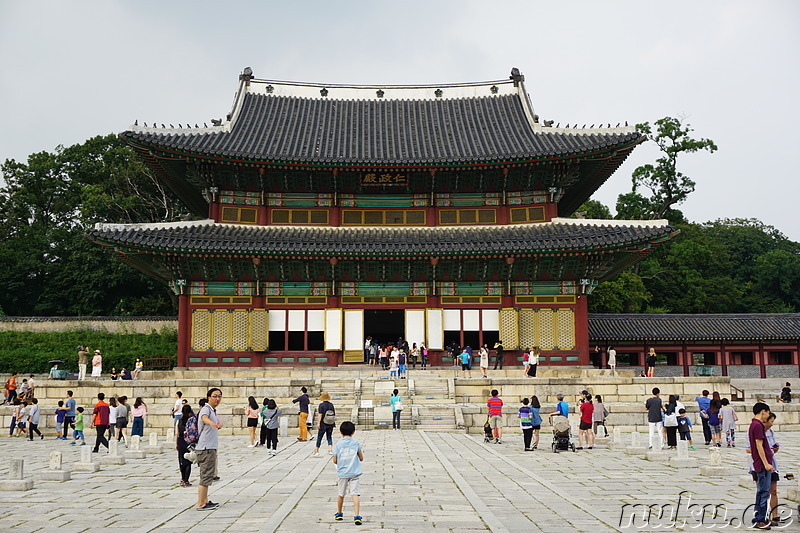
point(347, 457)
point(685, 427)
point(61, 413)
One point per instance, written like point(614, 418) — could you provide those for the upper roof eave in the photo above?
point(558, 237)
point(520, 160)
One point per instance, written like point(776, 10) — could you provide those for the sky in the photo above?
point(731, 69)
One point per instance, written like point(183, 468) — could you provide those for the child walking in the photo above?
point(685, 427)
point(78, 432)
point(61, 414)
point(392, 367)
point(728, 418)
point(347, 456)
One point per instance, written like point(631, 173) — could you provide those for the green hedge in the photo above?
point(29, 352)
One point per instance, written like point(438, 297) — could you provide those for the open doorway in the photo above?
point(384, 325)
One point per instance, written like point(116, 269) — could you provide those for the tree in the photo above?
point(667, 185)
point(624, 294)
point(592, 209)
point(46, 206)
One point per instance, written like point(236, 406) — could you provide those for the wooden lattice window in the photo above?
point(240, 215)
point(313, 217)
point(527, 214)
point(452, 217)
point(378, 217)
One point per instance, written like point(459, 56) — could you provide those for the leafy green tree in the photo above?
point(592, 209)
point(46, 206)
point(777, 274)
point(624, 294)
point(666, 184)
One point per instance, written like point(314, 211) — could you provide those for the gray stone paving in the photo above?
point(413, 481)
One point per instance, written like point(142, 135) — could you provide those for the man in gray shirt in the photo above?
point(654, 408)
point(34, 416)
point(69, 416)
point(208, 426)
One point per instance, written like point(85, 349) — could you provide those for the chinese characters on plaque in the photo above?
point(372, 178)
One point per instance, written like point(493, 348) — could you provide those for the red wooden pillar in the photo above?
point(724, 359)
point(335, 216)
point(582, 329)
point(687, 360)
point(796, 357)
point(184, 329)
point(762, 360)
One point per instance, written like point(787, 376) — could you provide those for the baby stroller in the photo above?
point(488, 436)
point(561, 434)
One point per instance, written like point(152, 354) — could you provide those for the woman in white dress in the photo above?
point(612, 359)
point(484, 360)
point(97, 364)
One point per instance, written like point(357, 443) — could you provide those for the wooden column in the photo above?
point(724, 355)
point(184, 329)
point(582, 329)
point(687, 360)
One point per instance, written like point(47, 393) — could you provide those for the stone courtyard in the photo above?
point(414, 480)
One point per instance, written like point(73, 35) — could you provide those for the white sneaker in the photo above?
point(330, 453)
point(315, 454)
point(251, 445)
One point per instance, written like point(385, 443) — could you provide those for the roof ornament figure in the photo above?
point(246, 75)
point(216, 122)
point(516, 76)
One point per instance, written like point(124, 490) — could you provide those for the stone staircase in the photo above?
point(434, 399)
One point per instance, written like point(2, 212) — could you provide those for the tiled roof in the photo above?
point(208, 237)
point(291, 127)
point(744, 327)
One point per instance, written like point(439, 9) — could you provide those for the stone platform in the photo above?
point(439, 399)
point(413, 481)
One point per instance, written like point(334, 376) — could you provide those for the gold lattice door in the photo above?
point(547, 329)
point(201, 322)
point(240, 330)
point(527, 329)
point(220, 330)
point(509, 328)
point(259, 329)
point(566, 329)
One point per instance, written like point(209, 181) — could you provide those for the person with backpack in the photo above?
point(272, 419)
point(208, 426)
point(326, 421)
point(184, 465)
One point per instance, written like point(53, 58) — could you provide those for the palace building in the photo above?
point(329, 213)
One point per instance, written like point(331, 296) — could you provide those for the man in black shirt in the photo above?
point(498, 360)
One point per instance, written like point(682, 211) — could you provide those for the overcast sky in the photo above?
point(72, 70)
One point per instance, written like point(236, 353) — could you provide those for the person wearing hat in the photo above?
point(322, 427)
point(83, 359)
point(97, 364)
